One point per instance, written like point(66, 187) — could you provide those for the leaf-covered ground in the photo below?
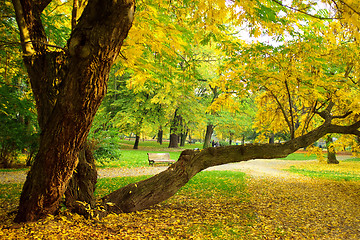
point(214, 205)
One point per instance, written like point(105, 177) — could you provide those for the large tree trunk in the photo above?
point(82, 184)
point(68, 87)
point(208, 134)
point(174, 141)
point(141, 195)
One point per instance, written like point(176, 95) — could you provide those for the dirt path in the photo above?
point(20, 176)
point(262, 168)
point(255, 168)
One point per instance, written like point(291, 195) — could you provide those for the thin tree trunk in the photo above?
point(160, 136)
point(272, 138)
point(174, 131)
point(137, 140)
point(183, 137)
point(331, 154)
point(208, 134)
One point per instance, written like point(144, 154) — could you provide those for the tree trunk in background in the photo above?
point(82, 184)
point(68, 87)
point(208, 134)
point(231, 138)
point(272, 138)
point(137, 140)
point(183, 137)
point(331, 154)
point(174, 141)
point(175, 130)
point(160, 136)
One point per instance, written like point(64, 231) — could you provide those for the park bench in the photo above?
point(159, 158)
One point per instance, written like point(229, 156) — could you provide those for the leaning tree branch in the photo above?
point(141, 195)
point(352, 129)
point(343, 116)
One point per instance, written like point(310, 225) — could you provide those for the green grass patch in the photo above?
point(13, 169)
point(327, 174)
point(105, 186)
point(351, 160)
point(209, 183)
point(300, 156)
point(10, 191)
point(202, 185)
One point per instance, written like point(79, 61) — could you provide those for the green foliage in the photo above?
point(17, 120)
point(106, 151)
point(57, 21)
point(224, 143)
point(17, 109)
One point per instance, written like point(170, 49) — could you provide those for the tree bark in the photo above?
point(183, 137)
point(82, 184)
point(331, 154)
point(68, 87)
point(174, 131)
point(208, 134)
point(137, 140)
point(272, 138)
point(174, 141)
point(160, 136)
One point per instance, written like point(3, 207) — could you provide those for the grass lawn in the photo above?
point(300, 156)
point(347, 170)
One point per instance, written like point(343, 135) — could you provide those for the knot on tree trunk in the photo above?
point(186, 155)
